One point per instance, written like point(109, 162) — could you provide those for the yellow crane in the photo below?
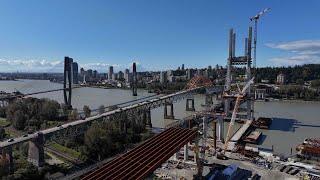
point(239, 97)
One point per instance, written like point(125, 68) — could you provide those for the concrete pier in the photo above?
point(36, 151)
point(186, 155)
point(188, 107)
point(7, 155)
point(166, 115)
point(147, 116)
point(220, 129)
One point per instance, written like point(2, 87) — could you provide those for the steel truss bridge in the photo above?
point(79, 126)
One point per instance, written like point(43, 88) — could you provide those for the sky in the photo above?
point(35, 35)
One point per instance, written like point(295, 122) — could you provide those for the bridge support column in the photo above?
point(166, 116)
point(36, 151)
point(148, 118)
point(186, 155)
point(188, 108)
point(220, 129)
point(67, 83)
point(7, 155)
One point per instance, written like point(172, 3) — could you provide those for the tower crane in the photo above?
point(255, 20)
point(239, 96)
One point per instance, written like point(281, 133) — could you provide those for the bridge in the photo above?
point(140, 112)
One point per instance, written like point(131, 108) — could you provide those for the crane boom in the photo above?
point(260, 14)
point(239, 96)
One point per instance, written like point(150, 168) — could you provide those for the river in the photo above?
point(292, 121)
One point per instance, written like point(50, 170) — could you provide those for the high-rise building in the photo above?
point(189, 74)
point(163, 77)
point(110, 73)
point(182, 67)
point(89, 73)
point(82, 72)
point(95, 74)
point(127, 75)
point(75, 73)
point(120, 75)
point(114, 76)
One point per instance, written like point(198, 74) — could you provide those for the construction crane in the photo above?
point(239, 97)
point(255, 20)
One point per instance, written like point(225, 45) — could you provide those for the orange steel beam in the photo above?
point(143, 163)
point(119, 161)
point(153, 165)
point(137, 158)
point(144, 159)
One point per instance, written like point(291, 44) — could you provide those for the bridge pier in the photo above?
point(171, 115)
point(188, 108)
point(147, 116)
point(186, 155)
point(8, 159)
point(220, 129)
point(36, 151)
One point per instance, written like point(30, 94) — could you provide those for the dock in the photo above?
point(253, 137)
point(237, 136)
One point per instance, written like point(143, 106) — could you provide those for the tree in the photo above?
point(300, 81)
point(101, 109)
point(19, 120)
point(315, 83)
point(2, 112)
point(73, 115)
point(2, 133)
point(49, 110)
point(98, 143)
point(87, 111)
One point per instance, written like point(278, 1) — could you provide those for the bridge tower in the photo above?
point(67, 83)
point(234, 62)
point(134, 80)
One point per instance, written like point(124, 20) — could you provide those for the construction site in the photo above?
point(218, 141)
point(228, 132)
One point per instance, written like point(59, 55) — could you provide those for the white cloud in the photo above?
point(57, 66)
point(301, 52)
point(30, 65)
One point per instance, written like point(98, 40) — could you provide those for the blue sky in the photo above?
point(158, 34)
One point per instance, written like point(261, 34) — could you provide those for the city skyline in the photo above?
point(157, 35)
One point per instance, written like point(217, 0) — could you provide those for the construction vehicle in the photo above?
point(239, 96)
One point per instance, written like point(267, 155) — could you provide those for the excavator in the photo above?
point(239, 96)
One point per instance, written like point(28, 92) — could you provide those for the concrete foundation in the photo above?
point(36, 151)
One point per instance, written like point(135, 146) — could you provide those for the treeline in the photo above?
point(105, 139)
point(297, 92)
point(32, 113)
point(293, 74)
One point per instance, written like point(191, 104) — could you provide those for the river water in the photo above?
point(292, 121)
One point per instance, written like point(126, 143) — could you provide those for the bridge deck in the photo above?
point(144, 159)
